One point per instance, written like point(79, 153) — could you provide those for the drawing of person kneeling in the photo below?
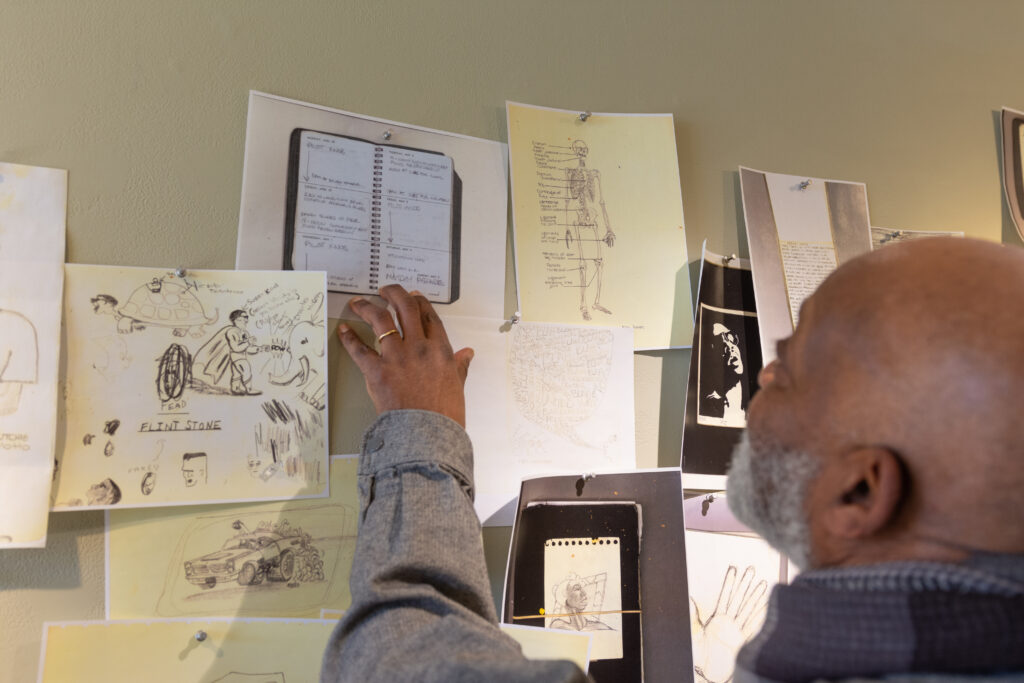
point(229, 349)
point(571, 600)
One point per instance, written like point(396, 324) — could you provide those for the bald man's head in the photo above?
point(902, 384)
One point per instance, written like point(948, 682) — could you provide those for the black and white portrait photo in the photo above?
point(728, 366)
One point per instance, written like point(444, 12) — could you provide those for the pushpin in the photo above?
point(180, 271)
point(200, 636)
point(805, 184)
point(386, 135)
point(584, 116)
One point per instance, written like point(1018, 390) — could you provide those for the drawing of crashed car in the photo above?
point(248, 557)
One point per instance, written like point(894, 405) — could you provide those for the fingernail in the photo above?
point(356, 300)
point(343, 328)
point(416, 292)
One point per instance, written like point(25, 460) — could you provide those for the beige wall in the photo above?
point(145, 103)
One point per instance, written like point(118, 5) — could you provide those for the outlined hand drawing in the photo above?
point(733, 620)
point(19, 358)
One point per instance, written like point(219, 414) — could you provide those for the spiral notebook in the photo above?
point(373, 214)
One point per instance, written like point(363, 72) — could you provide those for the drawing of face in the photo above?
point(193, 468)
point(255, 463)
point(576, 597)
point(149, 483)
point(728, 346)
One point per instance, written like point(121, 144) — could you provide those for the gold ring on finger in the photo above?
point(386, 334)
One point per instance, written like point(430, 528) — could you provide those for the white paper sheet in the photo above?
point(544, 399)
point(32, 218)
point(481, 167)
point(207, 388)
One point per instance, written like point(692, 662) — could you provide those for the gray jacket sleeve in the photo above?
point(421, 602)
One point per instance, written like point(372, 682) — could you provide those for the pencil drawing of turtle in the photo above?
point(165, 304)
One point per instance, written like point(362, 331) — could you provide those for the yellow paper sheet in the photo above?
point(231, 651)
point(549, 643)
point(202, 388)
point(599, 222)
point(287, 559)
point(32, 210)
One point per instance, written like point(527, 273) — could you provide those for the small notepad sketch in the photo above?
point(583, 590)
point(373, 214)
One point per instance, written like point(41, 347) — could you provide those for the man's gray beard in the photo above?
point(766, 489)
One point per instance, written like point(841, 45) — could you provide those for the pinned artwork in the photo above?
point(173, 650)
point(584, 590)
point(730, 578)
point(1013, 172)
point(799, 230)
point(372, 203)
point(544, 398)
point(723, 374)
point(285, 559)
point(195, 388)
point(883, 236)
point(32, 209)
point(598, 220)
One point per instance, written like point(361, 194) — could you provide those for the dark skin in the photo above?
point(416, 369)
point(904, 377)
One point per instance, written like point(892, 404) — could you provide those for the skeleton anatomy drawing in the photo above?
point(584, 219)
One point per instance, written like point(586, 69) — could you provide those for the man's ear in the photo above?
point(866, 493)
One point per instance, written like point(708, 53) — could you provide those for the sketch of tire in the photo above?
point(210, 582)
point(285, 569)
point(247, 576)
point(174, 372)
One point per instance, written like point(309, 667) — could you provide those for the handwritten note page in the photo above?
point(583, 590)
point(175, 650)
point(425, 174)
point(374, 214)
point(283, 559)
point(598, 219)
point(32, 213)
point(805, 235)
point(196, 389)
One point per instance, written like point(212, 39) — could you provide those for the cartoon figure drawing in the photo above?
point(158, 302)
point(588, 226)
point(193, 468)
point(226, 350)
point(305, 342)
point(19, 358)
